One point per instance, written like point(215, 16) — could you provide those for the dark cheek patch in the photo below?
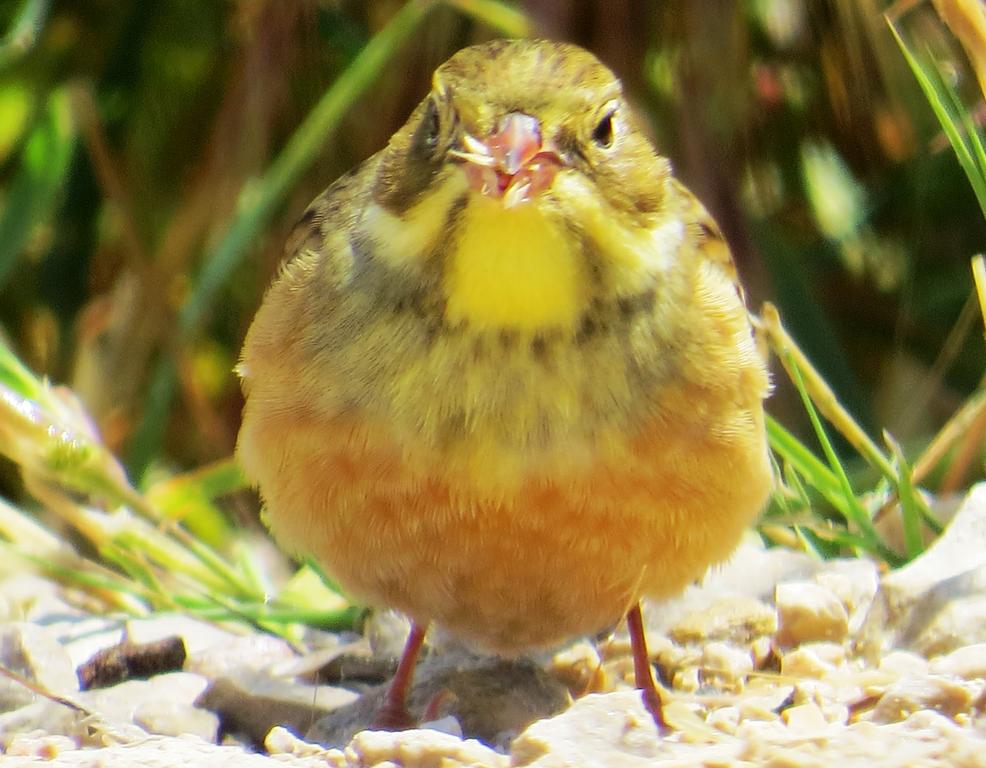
point(409, 168)
point(402, 184)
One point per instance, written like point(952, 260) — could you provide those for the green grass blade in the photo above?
point(133, 565)
point(794, 453)
point(129, 595)
point(838, 540)
point(936, 93)
point(38, 179)
point(189, 498)
point(504, 18)
point(969, 134)
point(262, 613)
point(804, 463)
point(855, 513)
point(907, 497)
point(234, 582)
point(16, 377)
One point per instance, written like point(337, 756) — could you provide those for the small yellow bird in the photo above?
point(506, 381)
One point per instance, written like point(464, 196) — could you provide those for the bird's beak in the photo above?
point(513, 164)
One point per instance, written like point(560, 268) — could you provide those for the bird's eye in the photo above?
point(602, 134)
point(431, 126)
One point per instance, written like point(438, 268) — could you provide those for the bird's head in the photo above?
point(522, 119)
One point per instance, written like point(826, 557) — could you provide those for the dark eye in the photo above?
point(602, 134)
point(430, 125)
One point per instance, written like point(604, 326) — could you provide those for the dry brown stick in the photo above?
point(960, 424)
point(967, 20)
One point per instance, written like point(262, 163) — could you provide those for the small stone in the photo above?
point(836, 712)
point(35, 654)
point(171, 718)
point(621, 671)
point(580, 669)
point(804, 717)
point(687, 680)
point(197, 635)
point(618, 646)
point(765, 702)
point(754, 570)
point(762, 650)
point(901, 663)
point(726, 664)
point(725, 719)
point(673, 657)
point(968, 663)
point(421, 749)
point(830, 653)
point(120, 703)
point(280, 741)
point(959, 550)
point(252, 703)
point(808, 611)
point(805, 662)
point(959, 622)
point(600, 729)
point(856, 583)
point(447, 724)
point(29, 597)
point(737, 619)
point(229, 656)
point(913, 694)
point(809, 691)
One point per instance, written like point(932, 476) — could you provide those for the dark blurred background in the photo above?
point(137, 138)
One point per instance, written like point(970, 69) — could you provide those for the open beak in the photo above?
point(513, 164)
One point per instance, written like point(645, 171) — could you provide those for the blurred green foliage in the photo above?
point(153, 158)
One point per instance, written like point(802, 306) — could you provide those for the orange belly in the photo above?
point(531, 565)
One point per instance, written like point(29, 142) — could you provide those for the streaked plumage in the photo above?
point(506, 381)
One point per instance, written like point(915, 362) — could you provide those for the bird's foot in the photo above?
point(654, 705)
point(393, 716)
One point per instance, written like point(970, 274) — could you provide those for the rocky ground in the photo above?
point(777, 659)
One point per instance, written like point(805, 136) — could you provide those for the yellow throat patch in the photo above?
point(514, 268)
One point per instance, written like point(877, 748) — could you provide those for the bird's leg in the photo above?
point(393, 714)
point(643, 675)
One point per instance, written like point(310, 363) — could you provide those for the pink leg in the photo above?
point(393, 715)
point(643, 675)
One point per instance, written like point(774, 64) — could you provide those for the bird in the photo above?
point(505, 381)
